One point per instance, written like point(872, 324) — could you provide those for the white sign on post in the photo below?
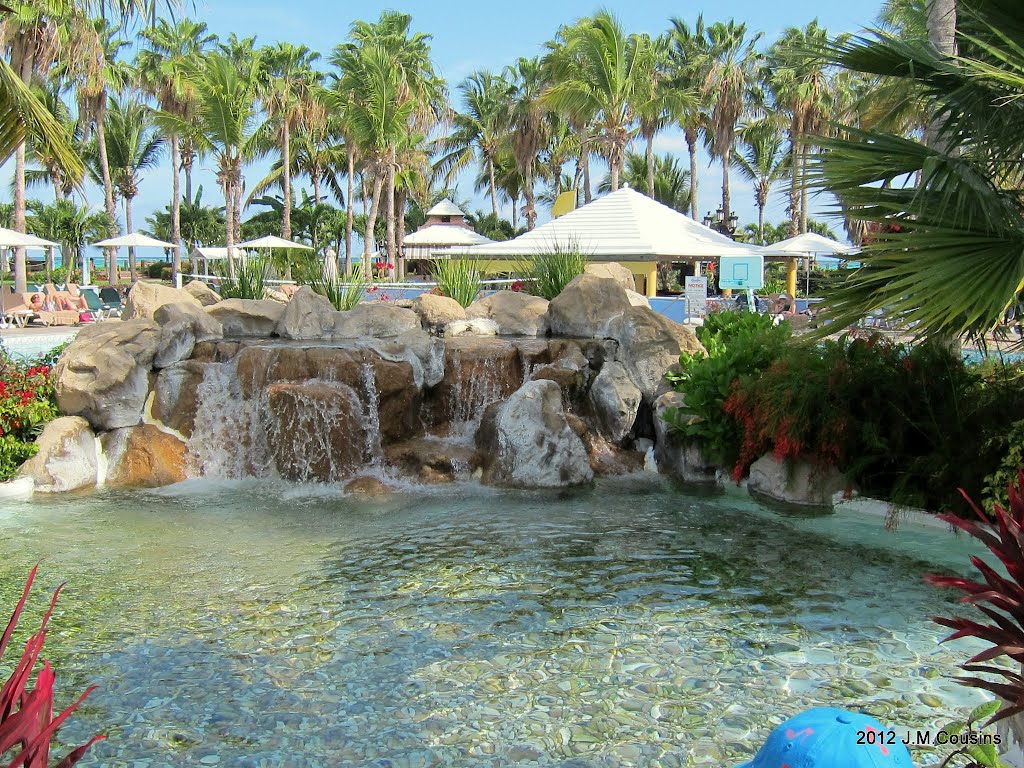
point(696, 296)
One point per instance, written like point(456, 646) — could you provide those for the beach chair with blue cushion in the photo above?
point(110, 299)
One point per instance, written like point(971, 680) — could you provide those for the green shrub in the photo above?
point(250, 280)
point(155, 270)
point(738, 344)
point(309, 270)
point(551, 270)
point(458, 279)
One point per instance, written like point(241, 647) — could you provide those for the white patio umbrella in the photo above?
point(132, 240)
point(10, 238)
point(272, 241)
point(808, 245)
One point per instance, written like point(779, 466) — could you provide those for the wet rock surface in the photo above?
point(66, 459)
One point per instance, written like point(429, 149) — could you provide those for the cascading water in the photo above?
point(228, 440)
point(371, 416)
point(478, 383)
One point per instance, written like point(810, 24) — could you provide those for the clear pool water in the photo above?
point(31, 346)
point(626, 625)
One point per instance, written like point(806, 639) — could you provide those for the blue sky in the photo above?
point(470, 35)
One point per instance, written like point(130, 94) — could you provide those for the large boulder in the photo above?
point(527, 442)
point(586, 306)
point(615, 271)
point(145, 298)
point(425, 353)
point(437, 311)
point(431, 460)
point(202, 292)
point(800, 482)
point(638, 299)
point(478, 371)
point(247, 317)
point(379, 319)
point(103, 375)
point(144, 456)
point(66, 457)
point(616, 400)
point(515, 313)
point(307, 316)
point(676, 455)
point(181, 327)
point(648, 344)
point(478, 326)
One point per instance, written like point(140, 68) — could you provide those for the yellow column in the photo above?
point(791, 277)
point(652, 281)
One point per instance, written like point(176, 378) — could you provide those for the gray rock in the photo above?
point(616, 400)
point(103, 375)
point(637, 299)
point(526, 442)
point(676, 456)
point(202, 292)
point(437, 311)
point(307, 316)
point(476, 327)
point(424, 352)
point(648, 345)
point(586, 306)
point(516, 314)
point(795, 483)
point(66, 459)
point(181, 327)
point(380, 320)
point(145, 298)
point(247, 317)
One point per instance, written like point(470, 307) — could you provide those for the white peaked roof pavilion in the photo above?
point(808, 244)
point(445, 234)
point(445, 208)
point(622, 226)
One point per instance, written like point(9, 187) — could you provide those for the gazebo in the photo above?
point(444, 229)
point(624, 226)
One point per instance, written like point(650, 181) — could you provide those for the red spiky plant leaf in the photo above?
point(997, 597)
point(26, 715)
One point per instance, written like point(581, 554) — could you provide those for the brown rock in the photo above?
point(515, 313)
point(307, 316)
point(648, 344)
point(316, 432)
point(203, 293)
point(377, 319)
point(176, 395)
point(437, 311)
point(367, 485)
point(615, 271)
point(478, 371)
point(247, 317)
point(433, 460)
point(215, 351)
point(181, 326)
point(586, 306)
point(66, 457)
point(144, 457)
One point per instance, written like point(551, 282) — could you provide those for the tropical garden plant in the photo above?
point(344, 293)
point(248, 279)
point(457, 279)
point(548, 272)
point(27, 403)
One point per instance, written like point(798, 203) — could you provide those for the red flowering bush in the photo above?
point(27, 403)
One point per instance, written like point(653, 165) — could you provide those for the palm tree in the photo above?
point(666, 101)
point(51, 164)
point(70, 225)
point(162, 66)
point(290, 101)
point(761, 161)
point(529, 127)
point(949, 249)
point(731, 75)
point(690, 60)
point(671, 179)
point(479, 129)
point(603, 71)
point(227, 125)
point(133, 145)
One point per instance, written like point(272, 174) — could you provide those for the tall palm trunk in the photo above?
point(175, 212)
point(760, 220)
point(239, 191)
point(20, 267)
point(726, 196)
point(371, 219)
point(691, 146)
point(613, 166)
point(531, 206)
point(585, 162)
point(132, 263)
point(229, 222)
point(794, 187)
point(350, 213)
point(286, 180)
point(389, 216)
point(515, 214)
point(401, 201)
point(187, 158)
point(942, 36)
point(316, 186)
point(108, 191)
point(649, 137)
point(804, 151)
point(494, 186)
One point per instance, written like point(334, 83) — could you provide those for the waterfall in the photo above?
point(371, 416)
point(478, 382)
point(228, 440)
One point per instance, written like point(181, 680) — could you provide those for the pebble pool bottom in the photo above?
point(630, 624)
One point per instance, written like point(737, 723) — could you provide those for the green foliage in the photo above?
point(249, 281)
point(457, 279)
point(905, 423)
point(343, 295)
point(984, 753)
point(738, 344)
point(27, 403)
point(551, 270)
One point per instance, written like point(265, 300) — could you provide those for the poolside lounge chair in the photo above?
point(14, 312)
point(111, 299)
point(95, 304)
point(51, 317)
